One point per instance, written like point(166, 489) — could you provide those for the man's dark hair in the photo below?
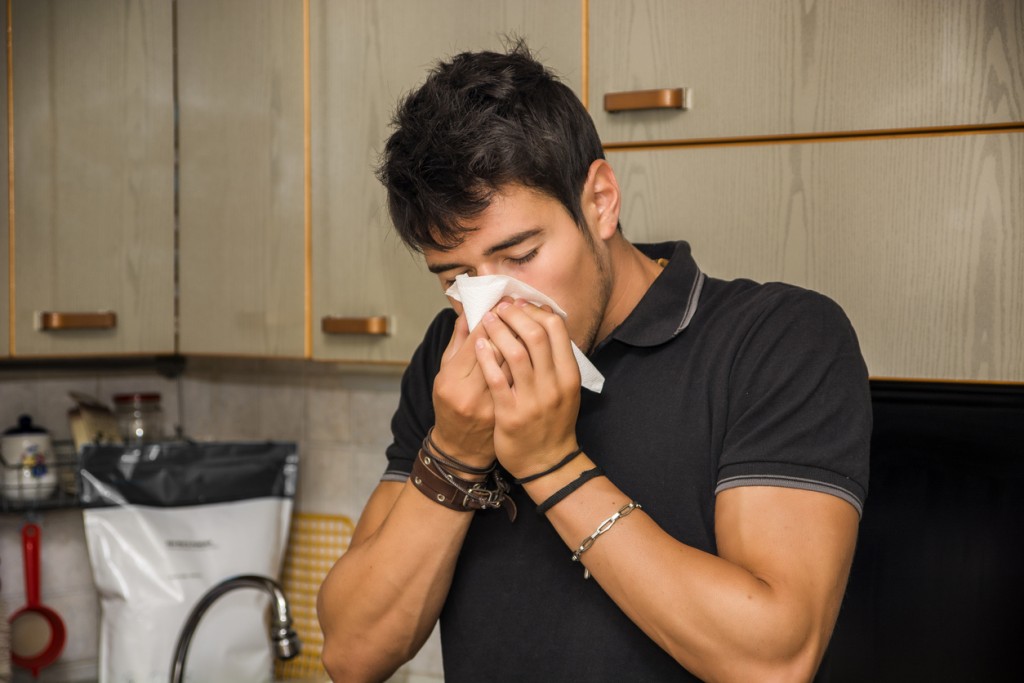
point(480, 122)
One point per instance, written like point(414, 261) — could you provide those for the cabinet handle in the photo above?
point(51, 321)
point(375, 325)
point(665, 98)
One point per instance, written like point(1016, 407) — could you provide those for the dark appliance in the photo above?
point(936, 591)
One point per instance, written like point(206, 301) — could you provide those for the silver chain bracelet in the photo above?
point(602, 528)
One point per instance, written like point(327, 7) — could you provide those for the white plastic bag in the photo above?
point(170, 521)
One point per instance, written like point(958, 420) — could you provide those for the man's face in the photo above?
point(530, 236)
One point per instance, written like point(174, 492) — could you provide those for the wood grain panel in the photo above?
point(241, 241)
point(93, 128)
point(792, 66)
point(365, 55)
point(921, 240)
point(5, 310)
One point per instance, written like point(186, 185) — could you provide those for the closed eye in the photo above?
point(523, 260)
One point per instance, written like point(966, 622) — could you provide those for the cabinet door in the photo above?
point(365, 55)
point(918, 239)
point(5, 310)
point(241, 205)
point(779, 67)
point(93, 176)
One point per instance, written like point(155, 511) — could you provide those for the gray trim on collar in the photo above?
point(669, 304)
point(691, 303)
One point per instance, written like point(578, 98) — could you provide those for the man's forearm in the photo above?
point(761, 610)
point(381, 600)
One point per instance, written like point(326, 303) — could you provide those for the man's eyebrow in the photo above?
point(512, 241)
point(439, 268)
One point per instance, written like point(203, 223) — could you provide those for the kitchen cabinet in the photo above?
point(5, 312)
point(242, 183)
point(790, 67)
point(918, 238)
point(93, 177)
point(364, 55)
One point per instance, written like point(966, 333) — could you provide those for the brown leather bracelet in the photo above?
point(435, 487)
point(459, 494)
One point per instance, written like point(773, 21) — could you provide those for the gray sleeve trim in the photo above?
point(791, 483)
point(395, 475)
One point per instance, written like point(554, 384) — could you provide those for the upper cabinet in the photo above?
point(241, 203)
point(5, 322)
point(918, 238)
point(916, 234)
point(783, 67)
point(364, 55)
point(93, 219)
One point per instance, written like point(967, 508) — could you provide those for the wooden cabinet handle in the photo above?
point(665, 98)
point(52, 321)
point(374, 325)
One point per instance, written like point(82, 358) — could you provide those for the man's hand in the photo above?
point(463, 409)
point(534, 414)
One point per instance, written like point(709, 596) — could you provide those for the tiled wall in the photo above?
point(340, 419)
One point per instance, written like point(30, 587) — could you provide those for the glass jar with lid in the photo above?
point(140, 417)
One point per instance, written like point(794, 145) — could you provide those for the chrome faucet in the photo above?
point(285, 641)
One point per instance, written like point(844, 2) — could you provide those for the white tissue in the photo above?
point(480, 294)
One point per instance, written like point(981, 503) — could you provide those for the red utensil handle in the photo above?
point(30, 548)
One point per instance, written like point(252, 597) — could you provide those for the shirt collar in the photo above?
point(670, 303)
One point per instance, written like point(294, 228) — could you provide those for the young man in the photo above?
point(715, 499)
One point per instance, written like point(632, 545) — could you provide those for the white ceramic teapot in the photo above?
point(28, 462)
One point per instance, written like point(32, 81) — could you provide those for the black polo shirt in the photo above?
point(709, 384)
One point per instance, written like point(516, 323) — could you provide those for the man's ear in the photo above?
point(601, 199)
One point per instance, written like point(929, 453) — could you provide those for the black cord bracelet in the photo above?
point(562, 463)
point(560, 495)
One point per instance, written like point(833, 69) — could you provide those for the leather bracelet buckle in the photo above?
point(457, 494)
point(488, 498)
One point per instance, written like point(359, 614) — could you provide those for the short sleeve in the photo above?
point(799, 407)
point(415, 413)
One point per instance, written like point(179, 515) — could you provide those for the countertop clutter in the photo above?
point(37, 472)
point(41, 473)
point(146, 510)
point(179, 533)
